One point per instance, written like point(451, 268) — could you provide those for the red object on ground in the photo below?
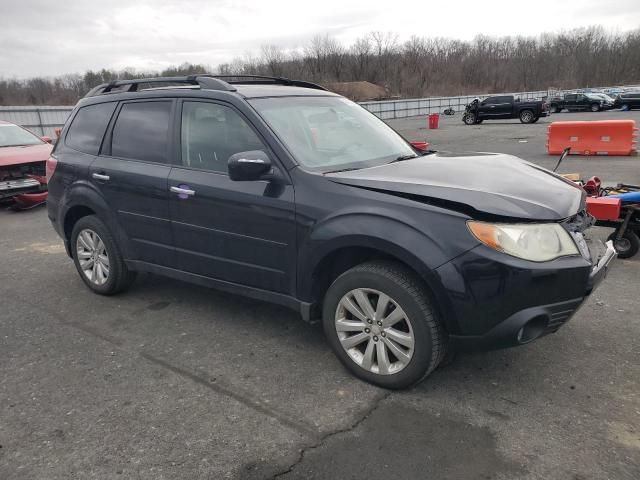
point(422, 146)
point(434, 119)
point(604, 208)
point(603, 137)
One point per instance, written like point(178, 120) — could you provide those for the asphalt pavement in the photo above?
point(175, 381)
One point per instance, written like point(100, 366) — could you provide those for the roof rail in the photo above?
point(267, 80)
point(204, 81)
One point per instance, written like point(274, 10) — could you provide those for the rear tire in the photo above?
point(628, 245)
point(595, 107)
point(97, 257)
point(419, 332)
point(526, 116)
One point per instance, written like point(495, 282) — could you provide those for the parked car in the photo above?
point(502, 107)
point(23, 156)
point(577, 102)
point(628, 101)
point(285, 192)
point(609, 102)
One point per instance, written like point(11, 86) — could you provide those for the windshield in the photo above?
point(331, 133)
point(15, 136)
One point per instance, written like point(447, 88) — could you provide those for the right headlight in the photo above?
point(538, 242)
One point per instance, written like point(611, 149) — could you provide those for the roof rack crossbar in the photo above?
point(205, 81)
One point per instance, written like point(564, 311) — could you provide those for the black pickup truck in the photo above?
point(578, 101)
point(504, 106)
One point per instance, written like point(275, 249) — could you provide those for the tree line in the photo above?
point(417, 67)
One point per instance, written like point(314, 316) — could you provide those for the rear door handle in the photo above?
point(183, 191)
point(100, 176)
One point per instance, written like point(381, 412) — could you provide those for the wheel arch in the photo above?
point(82, 200)
point(321, 263)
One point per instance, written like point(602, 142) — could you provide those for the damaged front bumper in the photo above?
point(501, 301)
point(25, 192)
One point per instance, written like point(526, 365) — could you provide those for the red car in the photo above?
point(23, 157)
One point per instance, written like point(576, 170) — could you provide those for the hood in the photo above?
point(27, 154)
point(490, 183)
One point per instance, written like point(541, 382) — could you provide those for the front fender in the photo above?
point(408, 244)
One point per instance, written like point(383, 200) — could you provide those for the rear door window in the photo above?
point(141, 132)
point(88, 126)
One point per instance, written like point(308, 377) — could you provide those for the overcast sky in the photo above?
point(49, 37)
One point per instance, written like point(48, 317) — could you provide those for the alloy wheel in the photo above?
point(375, 331)
point(527, 116)
point(92, 256)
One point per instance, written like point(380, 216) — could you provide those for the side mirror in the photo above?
point(46, 139)
point(248, 166)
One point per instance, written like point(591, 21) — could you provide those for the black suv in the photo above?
point(283, 191)
point(628, 101)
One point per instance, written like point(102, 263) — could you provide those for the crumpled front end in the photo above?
point(23, 185)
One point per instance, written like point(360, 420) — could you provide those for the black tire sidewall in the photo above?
point(634, 241)
point(470, 115)
point(522, 113)
point(112, 285)
point(422, 356)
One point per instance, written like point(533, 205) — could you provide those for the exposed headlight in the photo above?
point(536, 242)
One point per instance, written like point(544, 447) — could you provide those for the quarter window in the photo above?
point(88, 127)
point(141, 132)
point(211, 133)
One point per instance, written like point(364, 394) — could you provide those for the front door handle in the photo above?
point(183, 192)
point(100, 176)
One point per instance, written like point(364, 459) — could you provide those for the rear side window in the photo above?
point(88, 127)
point(141, 132)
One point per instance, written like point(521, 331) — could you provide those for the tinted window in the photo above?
point(506, 99)
point(492, 100)
point(212, 133)
point(88, 127)
point(570, 96)
point(141, 132)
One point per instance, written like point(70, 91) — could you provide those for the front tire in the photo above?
point(469, 118)
point(595, 107)
point(97, 257)
point(380, 323)
point(627, 246)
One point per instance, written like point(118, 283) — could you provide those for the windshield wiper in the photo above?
point(404, 157)
point(343, 170)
